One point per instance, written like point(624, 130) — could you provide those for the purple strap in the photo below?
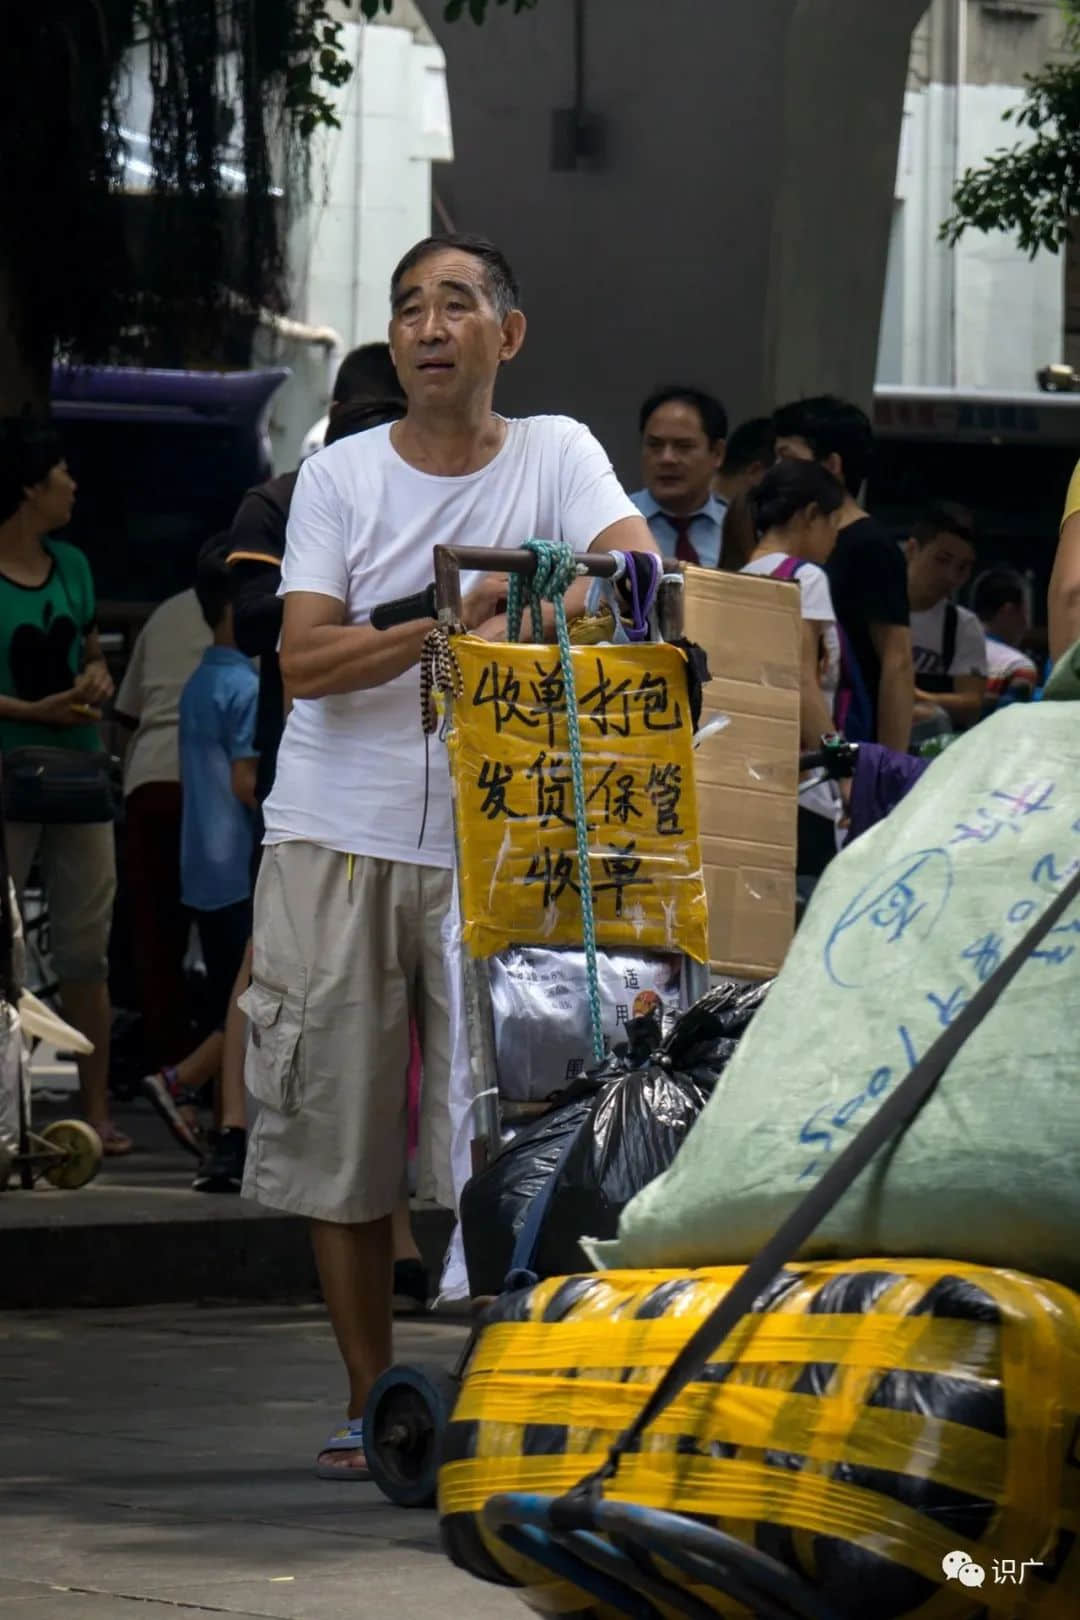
point(641, 604)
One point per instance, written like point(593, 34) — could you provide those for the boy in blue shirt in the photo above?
point(217, 773)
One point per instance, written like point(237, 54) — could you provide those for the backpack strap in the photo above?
point(952, 626)
point(788, 569)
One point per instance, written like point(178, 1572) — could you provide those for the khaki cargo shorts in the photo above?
point(338, 968)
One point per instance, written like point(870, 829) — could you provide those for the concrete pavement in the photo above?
point(138, 1235)
point(158, 1461)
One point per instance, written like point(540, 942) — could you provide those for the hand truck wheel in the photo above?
point(80, 1153)
point(404, 1419)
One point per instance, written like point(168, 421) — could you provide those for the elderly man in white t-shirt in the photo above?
point(349, 901)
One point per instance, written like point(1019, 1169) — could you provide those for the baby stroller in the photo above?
point(66, 1153)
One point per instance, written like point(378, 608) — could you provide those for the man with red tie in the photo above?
point(682, 449)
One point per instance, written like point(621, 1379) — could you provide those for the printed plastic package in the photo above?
point(618, 1128)
point(903, 1435)
point(540, 1003)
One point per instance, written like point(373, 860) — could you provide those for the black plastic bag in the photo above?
point(571, 1173)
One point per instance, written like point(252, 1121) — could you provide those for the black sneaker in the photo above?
point(222, 1171)
point(410, 1286)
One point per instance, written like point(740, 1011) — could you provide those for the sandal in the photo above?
point(114, 1144)
point(348, 1439)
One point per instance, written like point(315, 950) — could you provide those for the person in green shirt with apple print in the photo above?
point(53, 682)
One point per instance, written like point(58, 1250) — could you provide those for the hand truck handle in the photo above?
point(404, 609)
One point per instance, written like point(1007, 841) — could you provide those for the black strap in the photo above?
point(9, 984)
point(894, 1115)
point(952, 625)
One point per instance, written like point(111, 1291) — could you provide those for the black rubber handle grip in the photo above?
point(404, 609)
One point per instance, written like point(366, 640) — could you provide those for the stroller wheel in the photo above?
point(81, 1153)
point(406, 1413)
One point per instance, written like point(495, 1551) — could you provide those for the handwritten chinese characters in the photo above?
point(514, 794)
point(888, 925)
point(883, 928)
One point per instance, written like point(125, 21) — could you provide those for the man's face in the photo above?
point(678, 462)
point(940, 567)
point(446, 337)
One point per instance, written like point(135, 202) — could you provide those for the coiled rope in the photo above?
point(556, 571)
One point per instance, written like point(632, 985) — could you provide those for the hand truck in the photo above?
point(409, 1406)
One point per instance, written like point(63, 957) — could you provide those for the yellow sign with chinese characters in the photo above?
point(514, 798)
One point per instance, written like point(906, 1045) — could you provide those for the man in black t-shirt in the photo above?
point(867, 573)
point(366, 393)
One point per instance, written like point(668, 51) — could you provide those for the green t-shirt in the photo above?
point(43, 630)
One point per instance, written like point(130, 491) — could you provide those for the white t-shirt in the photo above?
point(817, 605)
point(928, 643)
point(351, 769)
point(1005, 665)
point(167, 651)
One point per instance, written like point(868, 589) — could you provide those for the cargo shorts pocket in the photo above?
point(272, 1070)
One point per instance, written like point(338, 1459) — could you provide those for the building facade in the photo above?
point(372, 196)
point(982, 314)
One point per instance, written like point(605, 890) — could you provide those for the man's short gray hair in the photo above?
point(502, 283)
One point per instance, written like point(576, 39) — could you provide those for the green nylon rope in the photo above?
point(555, 572)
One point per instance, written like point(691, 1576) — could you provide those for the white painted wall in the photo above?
point(981, 315)
point(371, 200)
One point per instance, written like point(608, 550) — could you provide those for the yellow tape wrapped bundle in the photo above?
point(869, 1420)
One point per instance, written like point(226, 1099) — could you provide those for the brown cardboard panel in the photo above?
point(751, 914)
point(750, 627)
point(742, 817)
point(747, 775)
point(760, 754)
point(759, 702)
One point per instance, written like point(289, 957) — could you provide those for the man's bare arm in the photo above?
point(964, 705)
point(629, 534)
point(1065, 590)
point(322, 656)
point(243, 775)
point(896, 695)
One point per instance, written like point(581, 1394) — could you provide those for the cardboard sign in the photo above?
point(747, 776)
point(511, 776)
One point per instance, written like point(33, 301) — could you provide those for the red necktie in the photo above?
point(685, 550)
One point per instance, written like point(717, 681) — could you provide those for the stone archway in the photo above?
point(734, 229)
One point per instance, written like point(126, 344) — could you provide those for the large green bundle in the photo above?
point(904, 928)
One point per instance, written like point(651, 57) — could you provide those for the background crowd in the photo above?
point(889, 654)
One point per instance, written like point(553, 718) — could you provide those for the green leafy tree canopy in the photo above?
point(1031, 190)
point(236, 85)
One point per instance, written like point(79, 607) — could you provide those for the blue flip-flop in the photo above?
point(349, 1438)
